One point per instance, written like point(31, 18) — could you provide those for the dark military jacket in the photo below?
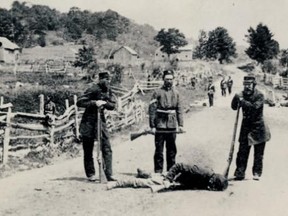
point(88, 126)
point(165, 109)
point(253, 129)
point(211, 89)
point(229, 82)
point(190, 176)
point(223, 84)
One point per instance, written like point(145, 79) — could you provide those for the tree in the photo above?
point(200, 49)
point(74, 23)
point(284, 58)
point(116, 71)
point(86, 61)
point(217, 44)
point(262, 46)
point(220, 45)
point(170, 40)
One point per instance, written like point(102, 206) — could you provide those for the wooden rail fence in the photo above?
point(276, 81)
point(129, 111)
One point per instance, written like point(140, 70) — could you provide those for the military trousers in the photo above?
point(88, 147)
point(170, 140)
point(211, 99)
point(223, 91)
point(229, 89)
point(242, 159)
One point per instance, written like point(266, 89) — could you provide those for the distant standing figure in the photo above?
point(49, 111)
point(223, 85)
point(149, 81)
point(211, 90)
point(193, 82)
point(254, 132)
point(229, 84)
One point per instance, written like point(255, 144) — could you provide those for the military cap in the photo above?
point(250, 78)
point(104, 74)
point(168, 72)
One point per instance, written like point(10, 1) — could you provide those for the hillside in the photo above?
point(39, 25)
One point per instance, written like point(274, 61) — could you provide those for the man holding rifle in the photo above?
point(180, 176)
point(254, 131)
point(165, 115)
point(96, 98)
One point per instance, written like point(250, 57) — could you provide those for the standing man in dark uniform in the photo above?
point(254, 131)
point(211, 91)
point(223, 86)
point(98, 96)
point(166, 114)
point(229, 84)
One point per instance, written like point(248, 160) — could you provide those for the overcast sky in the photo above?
point(190, 16)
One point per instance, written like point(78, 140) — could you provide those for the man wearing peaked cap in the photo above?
point(165, 116)
point(254, 131)
point(211, 90)
point(97, 97)
point(168, 72)
point(250, 78)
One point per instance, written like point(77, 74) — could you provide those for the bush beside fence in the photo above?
point(129, 111)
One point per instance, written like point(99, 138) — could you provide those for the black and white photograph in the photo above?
point(143, 108)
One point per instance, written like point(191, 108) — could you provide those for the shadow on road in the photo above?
point(80, 179)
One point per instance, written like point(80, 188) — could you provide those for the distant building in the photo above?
point(125, 56)
point(185, 54)
point(9, 52)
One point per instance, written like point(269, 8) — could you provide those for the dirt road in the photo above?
point(62, 189)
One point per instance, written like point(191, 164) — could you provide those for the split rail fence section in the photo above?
point(276, 81)
point(129, 111)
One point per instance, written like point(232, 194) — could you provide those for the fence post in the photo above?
point(135, 112)
point(119, 104)
point(41, 104)
point(76, 117)
point(126, 115)
point(52, 132)
point(1, 100)
point(6, 137)
point(67, 103)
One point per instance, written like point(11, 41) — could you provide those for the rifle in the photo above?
point(102, 176)
point(135, 135)
point(230, 157)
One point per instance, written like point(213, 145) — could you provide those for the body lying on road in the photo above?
point(180, 176)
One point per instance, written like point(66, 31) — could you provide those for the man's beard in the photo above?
point(248, 91)
point(168, 85)
point(104, 86)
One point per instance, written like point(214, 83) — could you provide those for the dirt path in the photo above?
point(61, 189)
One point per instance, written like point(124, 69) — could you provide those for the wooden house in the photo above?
point(125, 56)
point(185, 54)
point(9, 52)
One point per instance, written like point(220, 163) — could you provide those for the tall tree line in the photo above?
point(27, 25)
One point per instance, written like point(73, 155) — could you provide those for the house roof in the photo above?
point(130, 50)
point(7, 44)
point(188, 47)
